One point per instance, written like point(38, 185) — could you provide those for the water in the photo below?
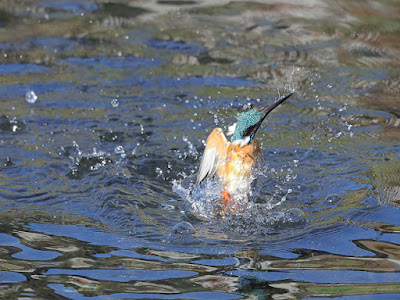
point(96, 176)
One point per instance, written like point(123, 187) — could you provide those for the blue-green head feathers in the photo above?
point(246, 120)
point(249, 122)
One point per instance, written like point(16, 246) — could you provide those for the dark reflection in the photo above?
point(176, 2)
point(11, 125)
point(388, 228)
point(120, 10)
point(300, 289)
point(88, 270)
point(381, 249)
point(5, 18)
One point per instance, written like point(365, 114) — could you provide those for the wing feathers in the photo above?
point(214, 154)
point(208, 165)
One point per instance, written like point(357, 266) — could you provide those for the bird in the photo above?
point(233, 161)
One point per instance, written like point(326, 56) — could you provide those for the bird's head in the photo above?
point(248, 123)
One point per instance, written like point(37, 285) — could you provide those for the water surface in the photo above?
point(96, 176)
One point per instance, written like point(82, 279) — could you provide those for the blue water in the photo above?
point(97, 193)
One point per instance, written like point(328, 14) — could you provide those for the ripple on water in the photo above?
point(103, 223)
point(124, 275)
point(120, 63)
point(317, 276)
point(21, 69)
point(366, 120)
point(176, 46)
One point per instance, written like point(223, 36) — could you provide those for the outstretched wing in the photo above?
point(214, 154)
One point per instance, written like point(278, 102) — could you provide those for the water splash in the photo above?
point(201, 201)
point(192, 149)
point(83, 163)
point(191, 152)
point(258, 212)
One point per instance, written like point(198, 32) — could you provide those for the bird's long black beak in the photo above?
point(266, 112)
point(273, 106)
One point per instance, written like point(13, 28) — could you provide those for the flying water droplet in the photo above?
point(30, 97)
point(159, 171)
point(114, 102)
point(119, 150)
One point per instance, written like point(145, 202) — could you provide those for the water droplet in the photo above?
point(114, 102)
point(119, 149)
point(338, 134)
point(30, 97)
point(8, 161)
point(159, 171)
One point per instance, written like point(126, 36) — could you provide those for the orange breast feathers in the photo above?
point(231, 162)
point(240, 162)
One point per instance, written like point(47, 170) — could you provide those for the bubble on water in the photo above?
point(183, 228)
point(167, 206)
point(295, 215)
point(30, 97)
point(333, 198)
point(114, 102)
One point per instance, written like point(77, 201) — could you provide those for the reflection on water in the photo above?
point(104, 112)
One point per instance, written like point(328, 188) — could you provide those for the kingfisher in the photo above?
point(233, 161)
